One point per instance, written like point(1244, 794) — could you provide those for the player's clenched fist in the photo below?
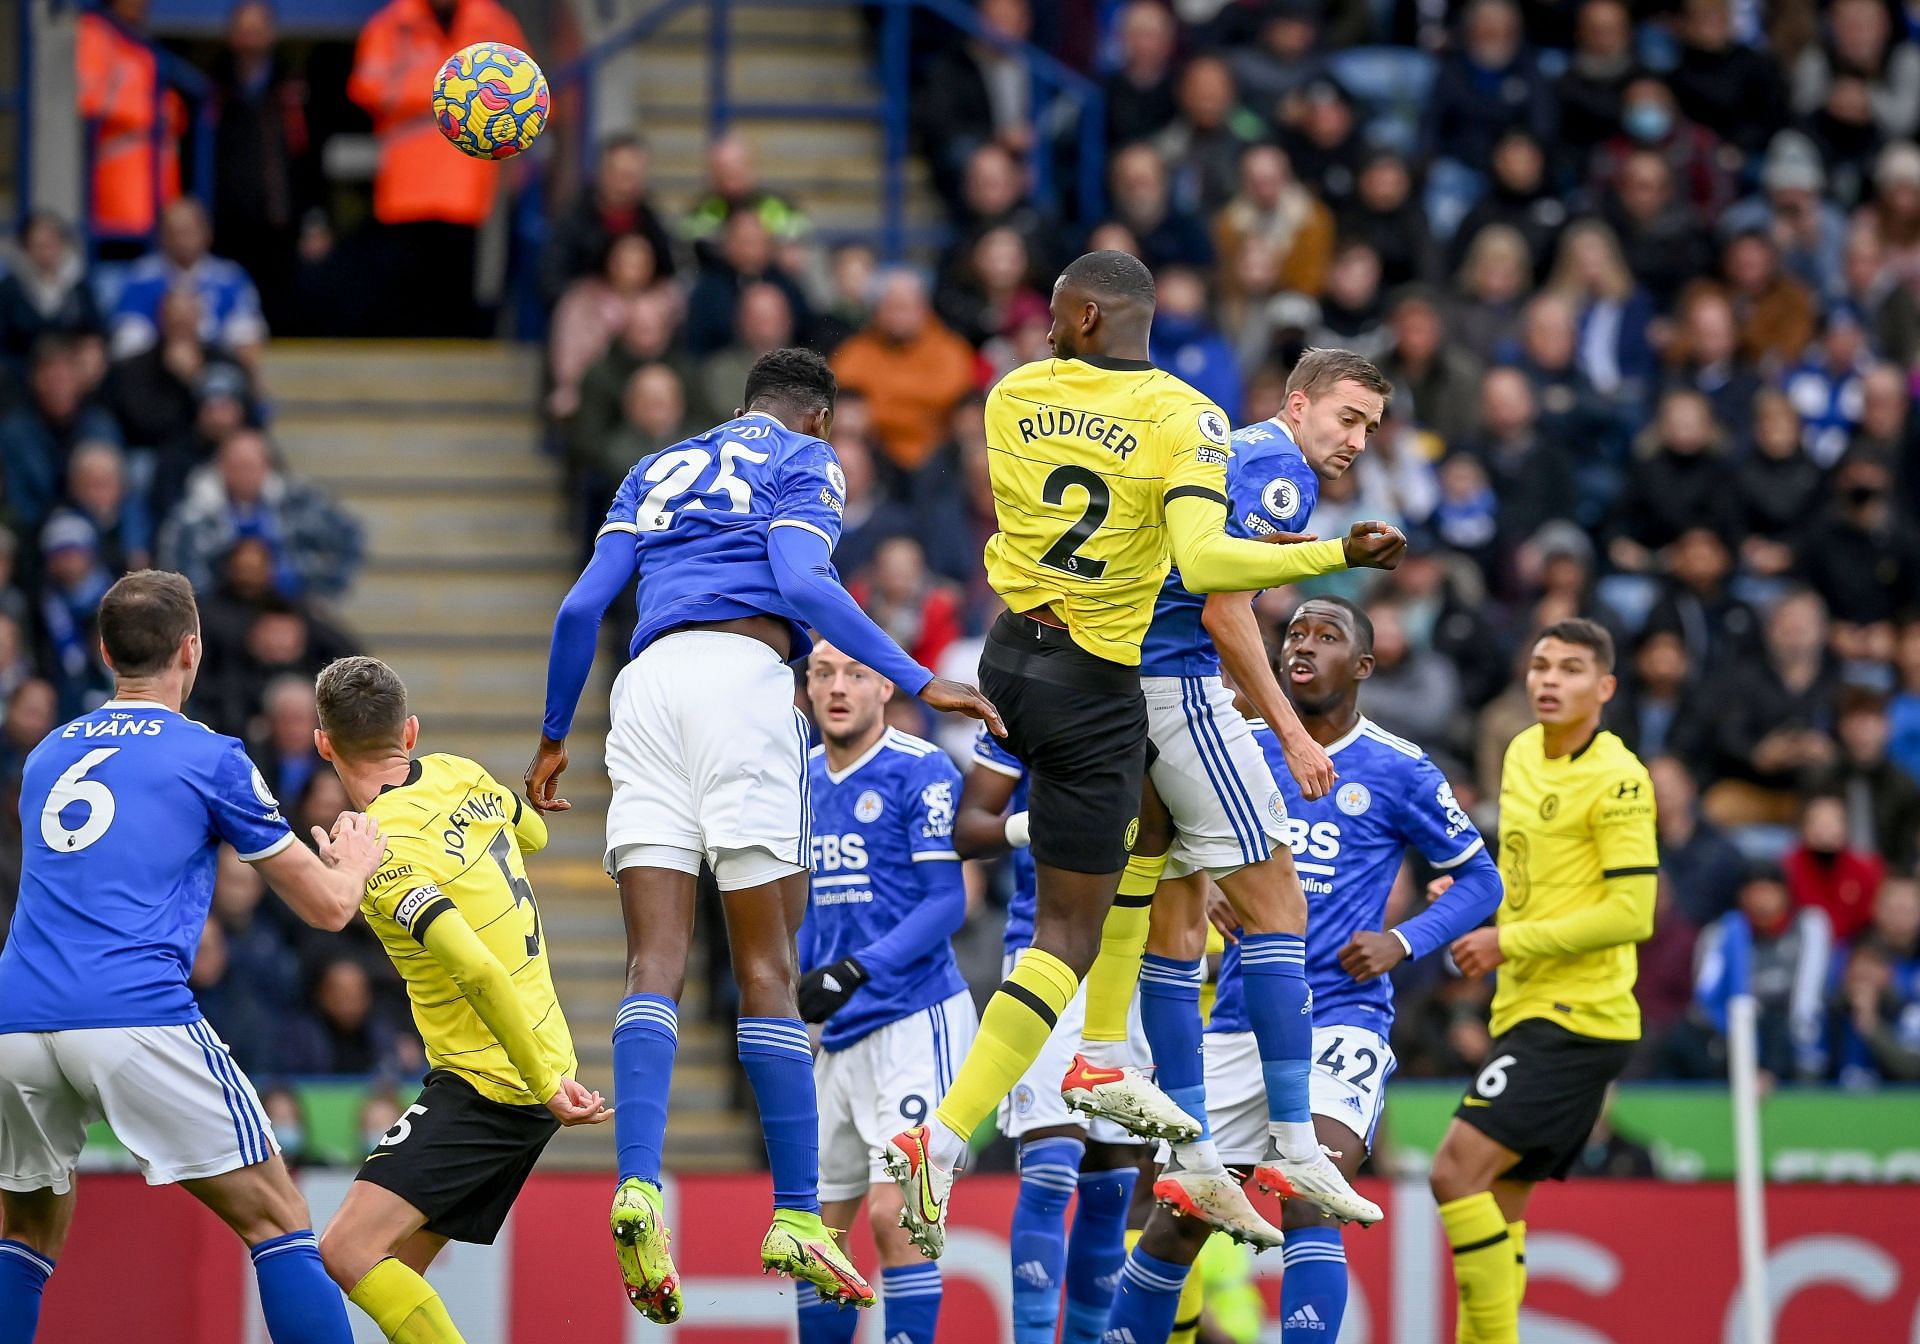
point(956, 697)
point(1373, 545)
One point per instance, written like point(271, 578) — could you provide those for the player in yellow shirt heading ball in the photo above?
point(452, 906)
point(1580, 862)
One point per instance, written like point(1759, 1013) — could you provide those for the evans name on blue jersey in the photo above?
point(1348, 847)
point(700, 513)
point(1270, 488)
point(991, 754)
point(122, 812)
point(882, 851)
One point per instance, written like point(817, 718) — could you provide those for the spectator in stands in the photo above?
point(289, 1121)
point(1590, 92)
point(648, 338)
point(1773, 718)
point(1654, 711)
point(847, 304)
point(1697, 603)
point(1139, 93)
point(13, 602)
point(1442, 379)
point(1273, 235)
point(1413, 692)
point(1882, 801)
point(1879, 1018)
point(745, 257)
point(1862, 558)
point(1384, 212)
point(872, 515)
point(1888, 429)
point(1659, 237)
point(265, 172)
point(977, 90)
point(254, 978)
point(1785, 953)
point(1353, 309)
point(1531, 476)
point(733, 188)
point(995, 196)
point(1827, 873)
point(990, 293)
point(1810, 231)
point(33, 711)
point(1519, 197)
point(1860, 46)
point(316, 546)
point(1493, 284)
point(1678, 482)
point(43, 291)
point(1614, 311)
point(72, 584)
point(1489, 85)
point(1776, 486)
point(1704, 356)
point(379, 1113)
point(282, 744)
point(1282, 56)
point(910, 367)
point(154, 393)
point(1187, 344)
point(1571, 408)
point(97, 491)
point(1827, 385)
point(429, 204)
point(38, 436)
point(616, 205)
point(956, 513)
point(1323, 139)
point(341, 1033)
point(1204, 144)
point(765, 323)
point(229, 304)
point(1699, 862)
point(1776, 312)
point(136, 125)
point(1165, 234)
point(593, 310)
point(918, 609)
point(16, 661)
point(1732, 89)
point(1650, 121)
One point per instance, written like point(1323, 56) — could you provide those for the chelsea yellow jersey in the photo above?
point(1084, 454)
point(1572, 829)
point(453, 832)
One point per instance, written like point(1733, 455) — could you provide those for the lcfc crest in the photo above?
point(1353, 799)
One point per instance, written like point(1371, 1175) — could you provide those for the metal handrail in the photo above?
point(894, 109)
point(19, 101)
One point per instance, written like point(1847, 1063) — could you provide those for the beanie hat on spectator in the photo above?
point(1562, 538)
point(1898, 165)
point(67, 532)
point(1793, 164)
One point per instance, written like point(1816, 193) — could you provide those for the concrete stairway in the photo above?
point(435, 446)
point(810, 55)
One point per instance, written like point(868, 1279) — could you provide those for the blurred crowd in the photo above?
point(1645, 276)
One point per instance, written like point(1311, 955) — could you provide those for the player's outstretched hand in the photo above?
point(956, 697)
point(1308, 763)
point(543, 776)
point(1478, 951)
point(356, 844)
point(1373, 545)
point(1370, 954)
point(572, 1104)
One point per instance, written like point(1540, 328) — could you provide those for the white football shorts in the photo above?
point(883, 1083)
point(708, 759)
point(1348, 1087)
point(173, 1096)
point(1208, 769)
point(1035, 1101)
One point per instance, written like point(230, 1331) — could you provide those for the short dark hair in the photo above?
point(793, 378)
point(620, 140)
point(1112, 277)
point(1320, 368)
point(1362, 623)
point(362, 704)
point(1587, 634)
point(143, 618)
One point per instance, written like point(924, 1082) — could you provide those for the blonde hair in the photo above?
point(1618, 282)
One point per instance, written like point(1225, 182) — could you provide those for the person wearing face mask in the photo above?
point(1650, 119)
point(1862, 559)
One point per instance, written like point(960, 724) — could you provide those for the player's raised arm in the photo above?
point(324, 889)
point(1229, 619)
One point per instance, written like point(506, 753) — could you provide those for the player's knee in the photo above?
point(1452, 1177)
point(349, 1255)
point(1268, 898)
point(1074, 943)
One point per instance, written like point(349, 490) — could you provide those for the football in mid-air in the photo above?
point(490, 100)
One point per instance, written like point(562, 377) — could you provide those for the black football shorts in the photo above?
point(460, 1158)
point(1079, 723)
point(1540, 1092)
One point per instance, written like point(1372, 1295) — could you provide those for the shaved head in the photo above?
point(1116, 278)
point(1102, 306)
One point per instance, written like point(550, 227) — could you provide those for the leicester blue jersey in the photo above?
point(1348, 847)
point(1270, 488)
point(876, 824)
point(990, 753)
point(122, 812)
point(700, 514)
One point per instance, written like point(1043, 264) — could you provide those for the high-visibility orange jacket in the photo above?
point(118, 81)
point(421, 176)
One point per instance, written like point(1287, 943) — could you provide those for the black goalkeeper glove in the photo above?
point(825, 990)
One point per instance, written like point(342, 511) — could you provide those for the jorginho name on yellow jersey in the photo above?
point(454, 835)
point(1580, 859)
point(1083, 454)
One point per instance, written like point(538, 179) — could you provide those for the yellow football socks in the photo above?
point(1123, 942)
point(1517, 1234)
point(1483, 1270)
point(405, 1308)
point(1019, 1018)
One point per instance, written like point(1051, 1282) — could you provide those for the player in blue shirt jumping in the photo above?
point(878, 969)
point(1348, 847)
point(122, 813)
point(730, 535)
